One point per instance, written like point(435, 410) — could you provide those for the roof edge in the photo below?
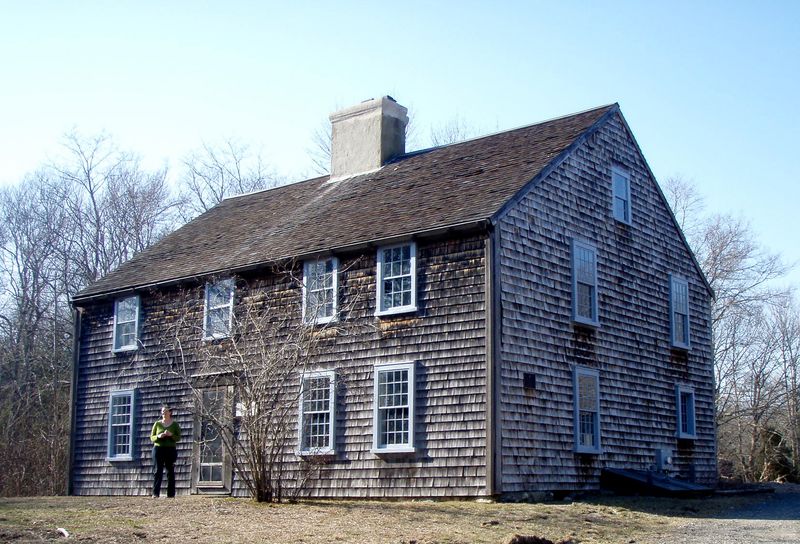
point(556, 161)
point(504, 131)
point(477, 224)
point(669, 208)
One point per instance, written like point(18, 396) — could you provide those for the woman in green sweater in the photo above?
point(166, 432)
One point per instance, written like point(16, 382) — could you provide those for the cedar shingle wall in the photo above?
point(445, 337)
point(631, 348)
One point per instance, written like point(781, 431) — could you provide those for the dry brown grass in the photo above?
point(211, 520)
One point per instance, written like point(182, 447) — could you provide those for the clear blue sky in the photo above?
point(710, 89)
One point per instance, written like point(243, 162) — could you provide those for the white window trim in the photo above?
point(627, 176)
point(206, 309)
point(595, 322)
point(680, 390)
point(394, 448)
point(331, 450)
point(673, 281)
point(110, 455)
point(328, 319)
point(379, 311)
point(135, 345)
point(576, 424)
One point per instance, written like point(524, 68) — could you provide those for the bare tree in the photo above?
point(263, 359)
point(62, 228)
point(115, 208)
point(457, 129)
point(752, 362)
point(213, 173)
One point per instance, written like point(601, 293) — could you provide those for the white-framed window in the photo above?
point(393, 418)
point(126, 324)
point(320, 288)
point(121, 408)
point(586, 391)
point(621, 189)
point(218, 309)
point(679, 312)
point(397, 279)
point(684, 403)
point(584, 283)
point(317, 413)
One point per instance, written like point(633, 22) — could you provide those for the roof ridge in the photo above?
point(508, 130)
point(281, 186)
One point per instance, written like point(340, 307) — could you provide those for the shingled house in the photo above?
point(536, 316)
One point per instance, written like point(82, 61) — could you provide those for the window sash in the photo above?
point(586, 391)
point(317, 403)
point(396, 279)
point(320, 290)
point(679, 312)
point(394, 408)
point(685, 408)
point(120, 425)
point(621, 188)
point(584, 283)
point(218, 309)
point(126, 323)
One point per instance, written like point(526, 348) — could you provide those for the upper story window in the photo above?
point(586, 390)
point(126, 323)
point(218, 309)
point(684, 401)
point(621, 188)
point(393, 418)
point(320, 290)
point(317, 417)
point(120, 425)
point(397, 279)
point(679, 312)
point(584, 283)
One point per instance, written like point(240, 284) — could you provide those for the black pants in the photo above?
point(164, 457)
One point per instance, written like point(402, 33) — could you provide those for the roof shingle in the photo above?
point(426, 190)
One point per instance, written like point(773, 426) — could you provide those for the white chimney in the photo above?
point(366, 136)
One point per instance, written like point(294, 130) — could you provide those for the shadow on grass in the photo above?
point(767, 506)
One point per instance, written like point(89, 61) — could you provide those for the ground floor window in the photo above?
point(120, 425)
point(394, 408)
point(317, 413)
point(684, 400)
point(586, 384)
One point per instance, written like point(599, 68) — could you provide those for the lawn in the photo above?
point(214, 520)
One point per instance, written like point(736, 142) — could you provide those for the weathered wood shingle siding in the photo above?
point(445, 337)
point(631, 347)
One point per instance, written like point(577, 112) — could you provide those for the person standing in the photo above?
point(165, 434)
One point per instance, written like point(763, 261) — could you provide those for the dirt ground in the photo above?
point(205, 520)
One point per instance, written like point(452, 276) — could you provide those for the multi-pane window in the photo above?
point(684, 400)
point(126, 323)
point(319, 290)
point(394, 408)
point(584, 283)
point(120, 425)
point(586, 385)
point(218, 309)
point(211, 449)
point(679, 312)
point(397, 282)
point(317, 413)
point(621, 188)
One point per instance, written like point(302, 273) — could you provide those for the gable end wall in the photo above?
point(631, 348)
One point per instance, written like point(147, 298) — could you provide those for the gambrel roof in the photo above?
point(451, 186)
